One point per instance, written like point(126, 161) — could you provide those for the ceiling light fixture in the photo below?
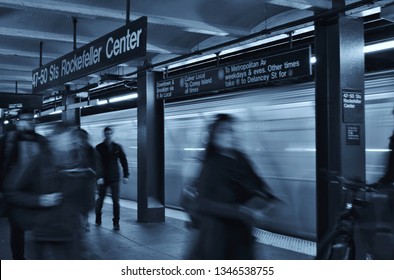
point(207, 32)
point(379, 47)
point(123, 98)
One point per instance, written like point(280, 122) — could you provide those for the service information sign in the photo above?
point(353, 135)
point(123, 44)
point(288, 65)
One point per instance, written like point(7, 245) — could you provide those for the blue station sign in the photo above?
point(124, 44)
point(265, 70)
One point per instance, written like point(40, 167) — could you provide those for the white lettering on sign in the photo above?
point(123, 44)
point(79, 62)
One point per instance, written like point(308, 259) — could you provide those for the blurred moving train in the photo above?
point(276, 126)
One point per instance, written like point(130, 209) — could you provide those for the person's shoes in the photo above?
point(116, 226)
point(98, 221)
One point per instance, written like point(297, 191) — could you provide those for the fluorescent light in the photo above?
point(6, 122)
point(194, 149)
point(370, 12)
point(377, 150)
point(201, 58)
point(123, 98)
point(102, 102)
point(208, 32)
point(256, 43)
point(379, 47)
point(304, 30)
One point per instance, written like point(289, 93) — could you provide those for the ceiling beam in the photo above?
point(28, 54)
point(13, 67)
point(64, 38)
point(42, 36)
point(86, 11)
point(24, 78)
point(303, 4)
point(282, 18)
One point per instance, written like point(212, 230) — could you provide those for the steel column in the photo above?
point(150, 181)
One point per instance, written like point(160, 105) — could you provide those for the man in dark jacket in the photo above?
point(110, 153)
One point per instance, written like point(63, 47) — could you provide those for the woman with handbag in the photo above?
point(227, 182)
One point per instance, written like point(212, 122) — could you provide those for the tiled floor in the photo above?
point(143, 241)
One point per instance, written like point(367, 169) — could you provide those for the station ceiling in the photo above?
point(176, 28)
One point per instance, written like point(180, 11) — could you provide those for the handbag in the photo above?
point(188, 201)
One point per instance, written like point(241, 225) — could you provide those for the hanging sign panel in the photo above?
point(123, 44)
point(288, 65)
point(17, 101)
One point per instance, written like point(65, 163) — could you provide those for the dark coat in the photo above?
point(109, 162)
point(17, 149)
point(10, 154)
point(388, 177)
point(228, 182)
point(43, 176)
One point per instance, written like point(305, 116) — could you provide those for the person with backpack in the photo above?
point(63, 170)
point(228, 197)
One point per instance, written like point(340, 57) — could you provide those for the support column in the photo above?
point(71, 117)
point(340, 123)
point(2, 130)
point(150, 181)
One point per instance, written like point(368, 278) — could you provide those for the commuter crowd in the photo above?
point(48, 186)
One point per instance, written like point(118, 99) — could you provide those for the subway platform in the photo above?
point(169, 240)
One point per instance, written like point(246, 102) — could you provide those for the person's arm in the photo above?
point(99, 165)
point(19, 188)
point(252, 182)
point(388, 177)
point(123, 162)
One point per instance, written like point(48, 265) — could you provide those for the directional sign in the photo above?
point(264, 70)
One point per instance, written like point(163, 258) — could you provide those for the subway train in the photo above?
point(276, 129)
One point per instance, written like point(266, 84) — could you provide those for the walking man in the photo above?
point(110, 154)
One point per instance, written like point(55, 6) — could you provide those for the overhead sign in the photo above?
point(123, 44)
point(288, 65)
point(17, 101)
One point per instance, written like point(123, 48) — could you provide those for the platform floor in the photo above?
point(169, 240)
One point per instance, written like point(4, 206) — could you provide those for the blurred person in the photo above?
point(92, 161)
point(110, 154)
point(388, 177)
point(17, 149)
point(61, 174)
point(382, 242)
point(226, 184)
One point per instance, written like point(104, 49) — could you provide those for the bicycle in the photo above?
point(367, 208)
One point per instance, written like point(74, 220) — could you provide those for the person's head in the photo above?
point(61, 138)
point(108, 133)
point(82, 137)
point(221, 133)
point(25, 121)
